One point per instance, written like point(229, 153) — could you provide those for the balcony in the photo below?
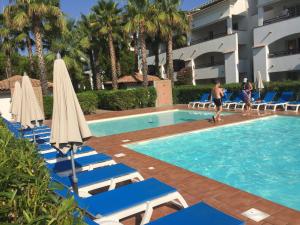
point(217, 71)
point(272, 32)
point(226, 44)
point(212, 64)
point(284, 53)
point(208, 38)
point(283, 63)
point(281, 18)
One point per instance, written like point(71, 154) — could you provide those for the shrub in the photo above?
point(24, 180)
point(88, 101)
point(126, 99)
point(48, 106)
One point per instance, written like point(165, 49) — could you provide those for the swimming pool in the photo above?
point(145, 121)
point(261, 157)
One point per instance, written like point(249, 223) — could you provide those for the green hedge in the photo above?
point(126, 99)
point(110, 100)
point(187, 93)
point(25, 195)
point(87, 100)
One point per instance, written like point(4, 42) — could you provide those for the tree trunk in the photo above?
point(156, 56)
point(93, 69)
point(118, 59)
point(40, 55)
point(113, 61)
point(30, 55)
point(8, 68)
point(136, 53)
point(170, 69)
point(144, 56)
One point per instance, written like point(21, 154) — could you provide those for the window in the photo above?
point(235, 26)
point(212, 60)
point(292, 45)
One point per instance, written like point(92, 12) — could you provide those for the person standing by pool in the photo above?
point(217, 94)
point(246, 95)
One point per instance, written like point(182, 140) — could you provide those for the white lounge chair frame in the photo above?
point(256, 106)
point(274, 106)
point(297, 106)
point(146, 207)
point(134, 177)
point(203, 104)
point(87, 167)
point(76, 156)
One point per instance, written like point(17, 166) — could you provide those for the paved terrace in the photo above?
point(193, 187)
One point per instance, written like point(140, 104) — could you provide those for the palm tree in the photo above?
point(140, 13)
point(172, 19)
point(106, 19)
point(10, 13)
point(39, 14)
point(9, 43)
point(90, 43)
point(67, 45)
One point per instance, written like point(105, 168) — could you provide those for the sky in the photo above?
point(73, 8)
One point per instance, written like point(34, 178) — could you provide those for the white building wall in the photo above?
point(284, 63)
point(251, 39)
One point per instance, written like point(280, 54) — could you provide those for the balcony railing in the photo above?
point(284, 53)
point(205, 65)
point(282, 18)
point(208, 38)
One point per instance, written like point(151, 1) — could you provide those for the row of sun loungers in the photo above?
point(98, 170)
point(267, 103)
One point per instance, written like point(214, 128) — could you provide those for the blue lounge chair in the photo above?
point(269, 97)
point(38, 136)
point(127, 200)
point(285, 97)
point(202, 99)
point(58, 156)
point(44, 148)
point(232, 104)
point(107, 176)
point(199, 214)
point(295, 105)
point(64, 168)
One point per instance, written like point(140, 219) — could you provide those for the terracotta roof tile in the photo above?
point(9, 83)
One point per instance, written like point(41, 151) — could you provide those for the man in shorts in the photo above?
point(217, 94)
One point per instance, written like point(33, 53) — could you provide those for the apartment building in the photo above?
point(233, 39)
point(276, 48)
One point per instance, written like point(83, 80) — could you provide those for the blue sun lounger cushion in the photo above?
point(58, 154)
point(38, 136)
point(122, 198)
point(36, 130)
point(60, 167)
point(199, 214)
point(44, 147)
point(97, 175)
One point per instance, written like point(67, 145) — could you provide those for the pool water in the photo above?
point(146, 121)
point(261, 157)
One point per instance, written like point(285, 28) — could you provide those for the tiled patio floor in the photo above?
point(193, 187)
